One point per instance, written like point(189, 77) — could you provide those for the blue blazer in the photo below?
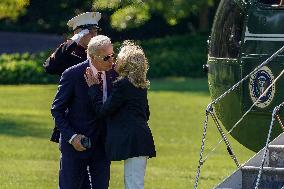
point(126, 113)
point(72, 110)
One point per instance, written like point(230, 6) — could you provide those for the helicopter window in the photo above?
point(270, 2)
point(227, 31)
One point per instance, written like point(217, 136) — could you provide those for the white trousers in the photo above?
point(134, 172)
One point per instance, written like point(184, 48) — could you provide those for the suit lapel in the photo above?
point(109, 82)
point(82, 82)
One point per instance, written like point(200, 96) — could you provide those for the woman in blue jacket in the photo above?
point(126, 113)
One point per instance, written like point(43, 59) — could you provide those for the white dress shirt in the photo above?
point(95, 71)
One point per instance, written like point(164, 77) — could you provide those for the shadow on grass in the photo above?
point(199, 85)
point(22, 128)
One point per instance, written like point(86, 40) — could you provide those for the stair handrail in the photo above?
point(209, 109)
point(274, 114)
point(280, 121)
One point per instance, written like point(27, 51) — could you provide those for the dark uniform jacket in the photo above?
point(126, 113)
point(73, 95)
point(66, 55)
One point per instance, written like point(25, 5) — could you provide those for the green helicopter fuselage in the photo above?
point(243, 36)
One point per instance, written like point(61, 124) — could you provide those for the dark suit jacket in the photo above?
point(126, 113)
point(66, 55)
point(72, 95)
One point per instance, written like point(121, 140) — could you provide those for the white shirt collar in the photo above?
point(95, 71)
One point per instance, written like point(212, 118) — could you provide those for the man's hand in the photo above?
point(78, 36)
point(76, 142)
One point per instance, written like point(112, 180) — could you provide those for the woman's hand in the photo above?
point(90, 78)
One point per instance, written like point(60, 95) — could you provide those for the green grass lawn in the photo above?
point(29, 161)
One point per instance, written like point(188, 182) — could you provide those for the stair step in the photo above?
point(272, 178)
point(276, 155)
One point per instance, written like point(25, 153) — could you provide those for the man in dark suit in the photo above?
point(79, 121)
point(73, 51)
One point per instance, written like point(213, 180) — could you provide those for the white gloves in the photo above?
point(79, 35)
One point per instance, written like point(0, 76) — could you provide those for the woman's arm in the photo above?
point(113, 102)
point(147, 111)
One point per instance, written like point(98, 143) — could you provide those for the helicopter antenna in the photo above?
point(209, 110)
point(275, 113)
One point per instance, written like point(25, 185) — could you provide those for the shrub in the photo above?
point(24, 68)
point(176, 56)
point(170, 56)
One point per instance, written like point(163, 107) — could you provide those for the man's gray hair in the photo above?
point(96, 43)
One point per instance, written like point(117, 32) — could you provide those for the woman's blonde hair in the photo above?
point(133, 64)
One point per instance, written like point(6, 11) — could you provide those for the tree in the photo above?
point(48, 16)
point(134, 13)
point(12, 8)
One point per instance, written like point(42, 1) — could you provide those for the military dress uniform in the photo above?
point(66, 55)
point(70, 53)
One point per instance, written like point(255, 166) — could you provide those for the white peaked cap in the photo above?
point(87, 18)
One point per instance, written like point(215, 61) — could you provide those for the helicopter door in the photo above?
point(264, 35)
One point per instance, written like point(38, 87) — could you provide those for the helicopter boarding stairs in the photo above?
point(265, 170)
point(273, 170)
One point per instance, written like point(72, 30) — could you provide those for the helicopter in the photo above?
point(245, 33)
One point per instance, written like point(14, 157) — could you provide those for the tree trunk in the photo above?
point(203, 19)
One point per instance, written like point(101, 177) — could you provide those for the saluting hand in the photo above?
point(90, 78)
point(78, 36)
